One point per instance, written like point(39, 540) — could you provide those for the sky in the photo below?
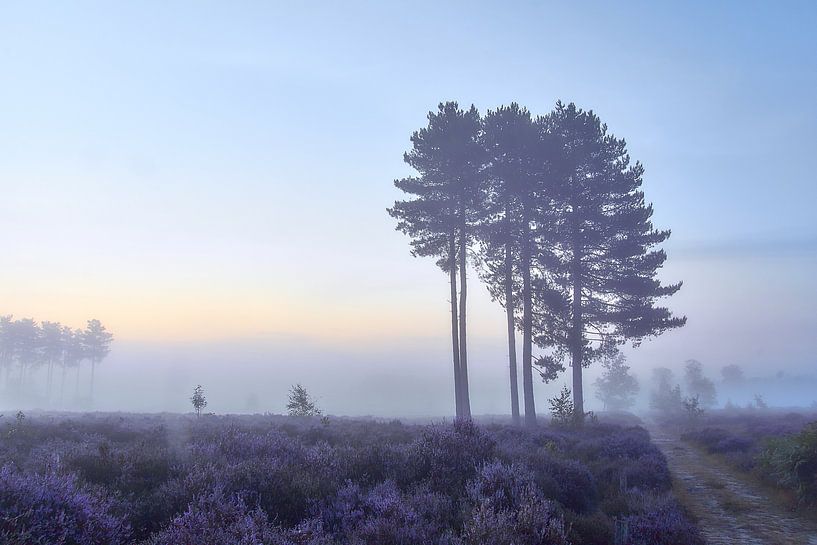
point(210, 179)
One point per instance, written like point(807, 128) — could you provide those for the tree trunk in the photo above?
point(509, 311)
point(466, 398)
point(527, 324)
point(76, 385)
point(452, 249)
point(576, 352)
point(577, 336)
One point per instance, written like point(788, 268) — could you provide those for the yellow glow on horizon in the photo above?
point(140, 313)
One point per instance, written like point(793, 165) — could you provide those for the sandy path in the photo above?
point(730, 510)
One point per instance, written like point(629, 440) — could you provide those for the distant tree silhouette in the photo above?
point(603, 283)
point(52, 346)
point(698, 385)
point(25, 345)
point(442, 215)
point(616, 387)
point(666, 396)
point(300, 403)
point(28, 345)
point(198, 400)
point(732, 374)
point(72, 356)
point(6, 347)
point(97, 341)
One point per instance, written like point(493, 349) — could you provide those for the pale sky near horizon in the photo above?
point(199, 171)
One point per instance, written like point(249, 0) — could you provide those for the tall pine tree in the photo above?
point(513, 195)
point(602, 287)
point(441, 217)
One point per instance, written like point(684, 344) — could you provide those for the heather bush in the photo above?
point(567, 481)
point(648, 471)
point(54, 509)
point(384, 515)
point(448, 456)
point(508, 508)
point(662, 523)
point(217, 519)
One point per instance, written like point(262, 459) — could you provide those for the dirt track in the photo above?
point(730, 510)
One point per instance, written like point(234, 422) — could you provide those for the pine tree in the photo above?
point(75, 352)
point(52, 346)
point(25, 345)
point(97, 341)
point(603, 269)
point(301, 403)
point(561, 407)
point(441, 216)
point(198, 400)
point(514, 196)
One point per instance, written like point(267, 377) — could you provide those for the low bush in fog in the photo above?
point(253, 480)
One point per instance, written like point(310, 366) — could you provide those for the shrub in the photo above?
point(383, 516)
point(561, 408)
point(54, 509)
point(448, 456)
point(662, 524)
point(507, 508)
point(216, 519)
point(649, 472)
point(792, 462)
point(567, 481)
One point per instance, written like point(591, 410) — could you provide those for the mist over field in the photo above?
point(751, 300)
point(373, 374)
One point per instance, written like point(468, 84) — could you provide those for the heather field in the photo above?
point(252, 480)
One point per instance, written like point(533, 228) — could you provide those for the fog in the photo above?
point(410, 375)
point(255, 377)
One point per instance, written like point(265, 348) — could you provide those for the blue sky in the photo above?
point(199, 170)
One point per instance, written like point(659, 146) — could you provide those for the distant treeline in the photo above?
point(27, 346)
point(550, 211)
